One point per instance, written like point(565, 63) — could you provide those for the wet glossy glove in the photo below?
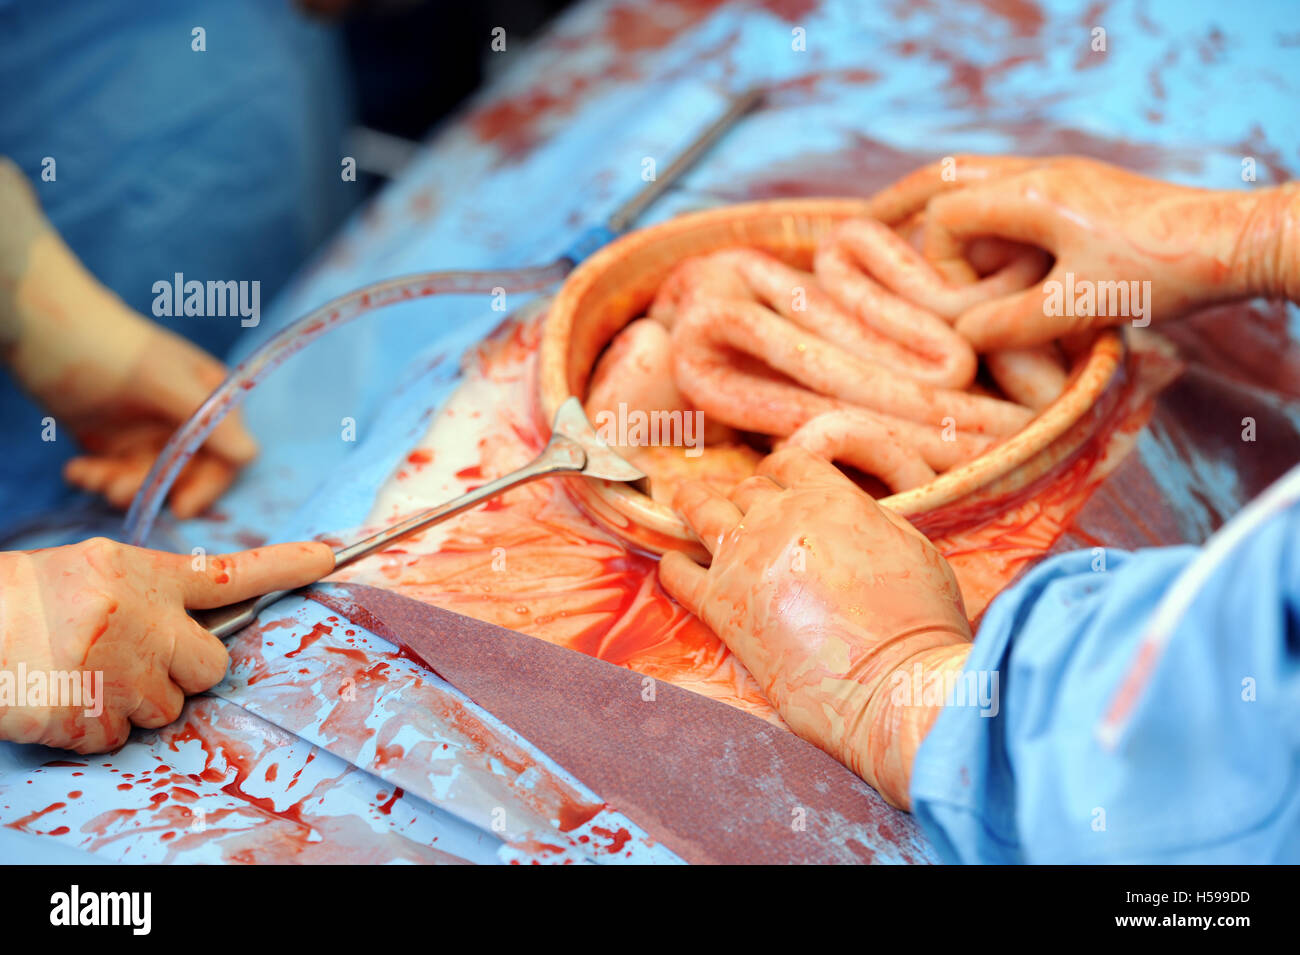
point(100, 607)
point(827, 599)
point(1194, 247)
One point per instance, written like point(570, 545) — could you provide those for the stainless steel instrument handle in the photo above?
point(562, 455)
point(631, 210)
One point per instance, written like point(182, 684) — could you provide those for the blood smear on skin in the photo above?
point(537, 564)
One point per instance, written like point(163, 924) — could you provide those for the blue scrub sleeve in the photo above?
point(1203, 763)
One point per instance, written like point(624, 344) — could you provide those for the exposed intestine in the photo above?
point(868, 444)
point(856, 360)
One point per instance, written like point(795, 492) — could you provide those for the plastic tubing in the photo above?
point(231, 393)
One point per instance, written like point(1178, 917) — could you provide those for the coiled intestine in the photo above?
point(856, 361)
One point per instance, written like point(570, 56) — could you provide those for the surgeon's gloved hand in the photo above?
point(829, 600)
point(1195, 247)
point(119, 383)
point(1103, 224)
point(123, 388)
point(105, 608)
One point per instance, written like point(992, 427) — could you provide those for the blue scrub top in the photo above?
point(220, 165)
point(1149, 708)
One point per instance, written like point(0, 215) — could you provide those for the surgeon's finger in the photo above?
point(176, 378)
point(795, 467)
point(684, 580)
point(160, 705)
point(232, 440)
point(101, 734)
point(910, 194)
point(228, 578)
point(203, 481)
point(130, 475)
point(1005, 209)
point(1017, 321)
point(906, 272)
point(710, 515)
point(752, 491)
point(199, 660)
point(988, 254)
point(90, 473)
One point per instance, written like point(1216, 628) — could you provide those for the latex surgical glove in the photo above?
point(118, 382)
point(105, 608)
point(1173, 248)
point(830, 601)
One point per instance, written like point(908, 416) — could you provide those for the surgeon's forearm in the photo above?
point(51, 307)
point(23, 224)
point(902, 709)
point(1261, 233)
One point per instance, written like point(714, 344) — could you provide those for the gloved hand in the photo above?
point(1194, 246)
point(105, 607)
point(117, 381)
point(825, 597)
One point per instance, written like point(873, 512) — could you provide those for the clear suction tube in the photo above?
point(231, 393)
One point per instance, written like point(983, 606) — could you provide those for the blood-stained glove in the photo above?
point(117, 381)
point(73, 616)
point(830, 601)
point(1168, 249)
